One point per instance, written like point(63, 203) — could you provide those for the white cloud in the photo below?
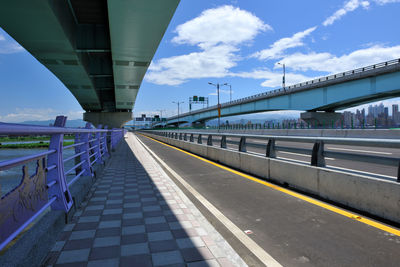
point(33, 114)
point(221, 91)
point(218, 32)
point(276, 49)
point(326, 62)
point(9, 46)
point(384, 2)
point(348, 6)
point(214, 62)
point(223, 25)
point(272, 79)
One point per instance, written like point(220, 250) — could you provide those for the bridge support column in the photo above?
point(320, 118)
point(111, 119)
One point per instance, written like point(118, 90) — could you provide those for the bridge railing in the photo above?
point(300, 86)
point(48, 186)
point(317, 152)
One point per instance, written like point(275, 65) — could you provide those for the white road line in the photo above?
point(301, 161)
point(259, 252)
point(297, 154)
point(358, 171)
point(336, 167)
point(357, 150)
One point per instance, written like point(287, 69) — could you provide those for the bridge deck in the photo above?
point(293, 231)
point(135, 215)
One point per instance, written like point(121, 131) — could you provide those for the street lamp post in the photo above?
point(230, 91)
point(161, 110)
point(284, 75)
point(178, 109)
point(218, 106)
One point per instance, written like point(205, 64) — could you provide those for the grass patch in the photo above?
point(32, 145)
point(30, 138)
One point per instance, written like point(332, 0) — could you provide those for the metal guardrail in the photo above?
point(318, 153)
point(301, 86)
point(48, 187)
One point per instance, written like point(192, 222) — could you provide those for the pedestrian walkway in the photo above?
point(135, 215)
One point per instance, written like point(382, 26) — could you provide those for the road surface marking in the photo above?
point(357, 150)
point(321, 204)
point(304, 155)
point(291, 154)
point(369, 173)
point(259, 252)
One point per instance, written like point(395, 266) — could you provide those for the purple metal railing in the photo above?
point(48, 187)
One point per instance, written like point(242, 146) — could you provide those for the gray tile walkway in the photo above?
point(136, 216)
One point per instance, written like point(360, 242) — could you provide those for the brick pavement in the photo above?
point(135, 215)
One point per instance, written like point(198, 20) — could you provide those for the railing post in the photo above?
point(209, 140)
point(104, 138)
point(60, 189)
point(191, 138)
point(271, 152)
point(185, 136)
point(317, 157)
point(242, 144)
point(77, 150)
point(97, 143)
point(223, 141)
point(180, 136)
point(84, 138)
point(199, 139)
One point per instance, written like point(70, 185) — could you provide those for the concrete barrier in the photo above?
point(350, 133)
point(374, 196)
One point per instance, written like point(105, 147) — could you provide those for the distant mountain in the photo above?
point(70, 123)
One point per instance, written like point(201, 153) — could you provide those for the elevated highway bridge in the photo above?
point(319, 98)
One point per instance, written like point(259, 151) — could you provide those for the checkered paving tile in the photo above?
point(136, 216)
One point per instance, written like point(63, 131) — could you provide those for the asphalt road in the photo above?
point(291, 230)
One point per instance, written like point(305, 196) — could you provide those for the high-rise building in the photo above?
point(395, 113)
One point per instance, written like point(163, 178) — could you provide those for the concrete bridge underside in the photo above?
point(100, 50)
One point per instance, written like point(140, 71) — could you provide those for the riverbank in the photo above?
point(32, 145)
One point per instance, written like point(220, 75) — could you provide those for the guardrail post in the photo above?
point(60, 189)
point(242, 144)
point(199, 139)
point(176, 135)
point(185, 137)
point(271, 152)
point(191, 138)
point(317, 157)
point(398, 173)
point(223, 141)
point(180, 136)
point(209, 140)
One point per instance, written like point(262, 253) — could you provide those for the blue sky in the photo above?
point(235, 42)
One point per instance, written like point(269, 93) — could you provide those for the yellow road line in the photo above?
point(321, 204)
